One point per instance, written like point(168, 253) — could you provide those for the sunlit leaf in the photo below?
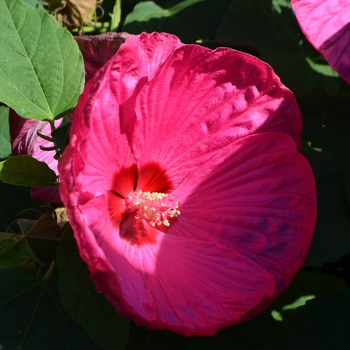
point(305, 286)
point(82, 302)
point(116, 15)
point(41, 71)
point(26, 171)
point(323, 323)
point(5, 141)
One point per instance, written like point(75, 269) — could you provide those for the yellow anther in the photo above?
point(155, 207)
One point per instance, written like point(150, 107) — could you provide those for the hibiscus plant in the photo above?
point(174, 174)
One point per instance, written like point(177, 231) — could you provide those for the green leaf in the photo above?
point(32, 315)
point(269, 30)
point(8, 256)
point(5, 140)
point(41, 72)
point(40, 238)
point(178, 19)
point(116, 15)
point(23, 247)
point(82, 302)
point(25, 225)
point(305, 286)
point(27, 171)
point(323, 323)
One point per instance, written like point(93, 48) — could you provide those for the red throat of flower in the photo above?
point(140, 213)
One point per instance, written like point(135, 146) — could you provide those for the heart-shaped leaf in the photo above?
point(26, 171)
point(41, 71)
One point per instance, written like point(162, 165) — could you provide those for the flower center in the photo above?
point(155, 207)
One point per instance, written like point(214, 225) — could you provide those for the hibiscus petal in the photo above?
point(200, 122)
point(256, 195)
point(137, 62)
point(187, 285)
point(326, 24)
point(203, 100)
point(97, 127)
point(25, 140)
point(98, 136)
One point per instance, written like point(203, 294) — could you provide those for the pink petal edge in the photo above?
point(326, 24)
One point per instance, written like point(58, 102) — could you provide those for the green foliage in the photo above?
point(116, 15)
point(26, 171)
point(8, 256)
point(41, 72)
point(40, 238)
point(82, 302)
point(32, 315)
point(306, 285)
point(41, 77)
point(5, 142)
point(177, 17)
point(323, 323)
point(270, 31)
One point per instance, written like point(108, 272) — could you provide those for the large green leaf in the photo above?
point(80, 298)
point(32, 315)
point(26, 171)
point(41, 71)
point(5, 141)
point(323, 323)
point(270, 30)
point(177, 17)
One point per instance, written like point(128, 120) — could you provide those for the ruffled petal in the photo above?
point(203, 100)
point(189, 286)
point(103, 120)
point(326, 24)
point(97, 150)
point(211, 129)
point(137, 62)
point(257, 195)
point(25, 140)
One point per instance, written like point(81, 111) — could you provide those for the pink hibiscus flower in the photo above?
point(96, 51)
point(187, 194)
point(25, 140)
point(326, 24)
